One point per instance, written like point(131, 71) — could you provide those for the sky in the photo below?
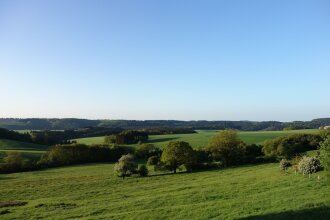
point(165, 59)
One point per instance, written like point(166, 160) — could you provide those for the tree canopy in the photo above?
point(227, 148)
point(177, 153)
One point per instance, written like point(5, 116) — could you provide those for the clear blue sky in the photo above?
point(165, 59)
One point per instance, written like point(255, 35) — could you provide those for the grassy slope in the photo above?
point(28, 150)
point(202, 138)
point(92, 191)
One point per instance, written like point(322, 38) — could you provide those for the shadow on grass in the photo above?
point(161, 140)
point(211, 169)
point(3, 177)
point(318, 213)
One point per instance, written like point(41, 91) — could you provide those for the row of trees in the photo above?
point(226, 149)
point(289, 146)
point(64, 154)
point(127, 137)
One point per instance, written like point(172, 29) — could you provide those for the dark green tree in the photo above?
point(177, 153)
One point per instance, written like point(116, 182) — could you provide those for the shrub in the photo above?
point(125, 166)
point(13, 162)
point(153, 160)
point(252, 152)
point(143, 170)
point(325, 155)
point(309, 165)
point(284, 164)
point(203, 156)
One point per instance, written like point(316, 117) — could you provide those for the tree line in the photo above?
point(224, 150)
point(113, 135)
point(73, 123)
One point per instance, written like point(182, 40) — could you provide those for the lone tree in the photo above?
point(325, 155)
point(125, 166)
point(177, 153)
point(227, 148)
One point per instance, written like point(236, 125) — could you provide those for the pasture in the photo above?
point(28, 150)
point(202, 138)
point(92, 191)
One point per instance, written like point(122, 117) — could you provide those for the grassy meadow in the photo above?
point(202, 138)
point(28, 150)
point(93, 192)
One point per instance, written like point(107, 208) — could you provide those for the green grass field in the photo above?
point(93, 192)
point(202, 138)
point(28, 150)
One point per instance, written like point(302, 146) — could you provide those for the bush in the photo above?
point(309, 165)
point(143, 170)
point(125, 166)
point(325, 155)
point(284, 164)
point(153, 160)
point(13, 160)
point(252, 152)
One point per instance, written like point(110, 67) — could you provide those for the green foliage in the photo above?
point(131, 137)
point(145, 151)
point(252, 152)
point(291, 145)
point(153, 160)
point(177, 153)
point(143, 170)
point(67, 154)
point(12, 135)
point(13, 161)
point(325, 155)
point(227, 148)
point(125, 166)
point(110, 139)
point(325, 132)
point(284, 164)
point(202, 138)
point(309, 165)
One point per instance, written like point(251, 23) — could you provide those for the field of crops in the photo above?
point(202, 138)
point(92, 191)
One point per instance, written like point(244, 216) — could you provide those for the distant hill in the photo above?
point(74, 123)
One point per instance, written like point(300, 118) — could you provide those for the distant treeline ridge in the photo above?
point(73, 123)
